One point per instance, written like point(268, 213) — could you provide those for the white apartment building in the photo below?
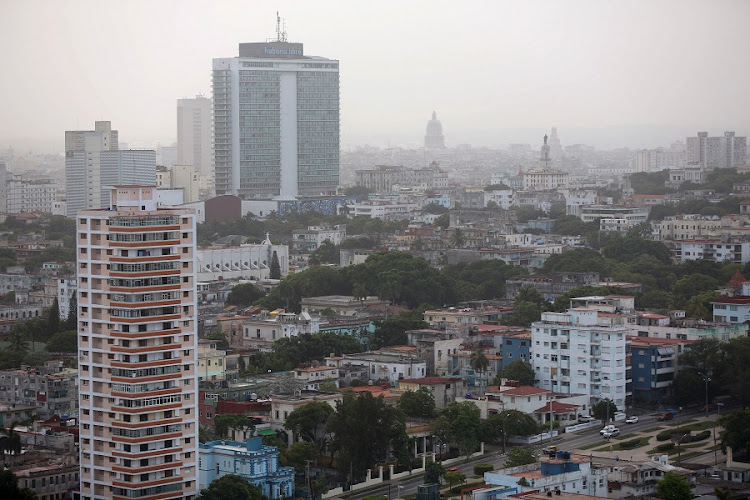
point(194, 134)
point(635, 215)
point(25, 196)
point(716, 250)
point(67, 288)
point(686, 227)
point(716, 152)
point(382, 211)
point(308, 240)
point(311, 377)
point(655, 160)
point(503, 198)
point(581, 351)
point(82, 165)
point(184, 177)
point(137, 349)
point(544, 180)
point(384, 178)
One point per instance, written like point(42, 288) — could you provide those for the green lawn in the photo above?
point(653, 429)
point(616, 446)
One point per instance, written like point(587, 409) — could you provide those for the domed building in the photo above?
point(434, 138)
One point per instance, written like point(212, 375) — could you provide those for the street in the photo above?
point(568, 442)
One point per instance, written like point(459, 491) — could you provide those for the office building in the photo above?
point(383, 178)
point(434, 138)
point(545, 178)
point(276, 122)
point(93, 163)
point(137, 349)
point(728, 151)
point(194, 134)
point(25, 196)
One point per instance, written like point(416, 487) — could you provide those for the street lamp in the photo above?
point(679, 441)
point(706, 379)
point(503, 422)
point(607, 400)
point(399, 491)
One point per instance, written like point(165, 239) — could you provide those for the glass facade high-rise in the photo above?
point(276, 122)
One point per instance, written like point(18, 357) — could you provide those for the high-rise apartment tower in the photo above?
point(194, 134)
point(138, 393)
point(93, 164)
point(276, 122)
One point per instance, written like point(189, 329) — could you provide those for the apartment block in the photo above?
point(137, 349)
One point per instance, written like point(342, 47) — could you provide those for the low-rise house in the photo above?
point(271, 326)
point(653, 366)
point(312, 376)
point(341, 305)
point(390, 367)
point(49, 390)
point(731, 309)
point(49, 482)
point(637, 479)
point(567, 474)
point(444, 390)
point(251, 460)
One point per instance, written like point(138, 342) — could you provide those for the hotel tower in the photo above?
point(137, 345)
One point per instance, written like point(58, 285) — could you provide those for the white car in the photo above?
point(611, 434)
point(608, 428)
point(631, 420)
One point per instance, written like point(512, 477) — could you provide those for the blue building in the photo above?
point(251, 460)
point(653, 365)
point(515, 346)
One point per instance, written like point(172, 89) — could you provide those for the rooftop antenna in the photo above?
point(280, 30)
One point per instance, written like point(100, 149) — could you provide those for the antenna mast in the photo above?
point(280, 31)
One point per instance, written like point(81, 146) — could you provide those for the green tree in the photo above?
point(435, 209)
point(275, 270)
point(71, 322)
point(417, 404)
point(458, 239)
point(442, 221)
point(479, 363)
point(673, 486)
point(520, 455)
point(524, 314)
point(226, 422)
point(326, 253)
point(231, 487)
point(9, 488)
point(570, 225)
point(520, 371)
point(63, 342)
point(736, 433)
point(737, 356)
point(459, 424)
point(393, 330)
point(18, 342)
point(244, 295)
point(10, 442)
point(433, 472)
point(298, 454)
point(309, 421)
point(688, 287)
point(454, 478)
point(364, 429)
point(53, 317)
point(604, 408)
point(529, 294)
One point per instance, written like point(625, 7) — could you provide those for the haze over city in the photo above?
point(628, 74)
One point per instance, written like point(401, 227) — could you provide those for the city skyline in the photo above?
point(578, 66)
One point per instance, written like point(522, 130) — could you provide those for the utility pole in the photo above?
point(706, 379)
point(307, 479)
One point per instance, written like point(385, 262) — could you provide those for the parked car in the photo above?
point(585, 419)
point(611, 434)
point(550, 449)
point(665, 416)
point(631, 420)
point(607, 428)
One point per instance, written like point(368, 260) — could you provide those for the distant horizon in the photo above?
point(634, 137)
point(636, 74)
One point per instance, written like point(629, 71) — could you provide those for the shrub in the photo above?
point(665, 447)
point(480, 469)
point(629, 445)
point(701, 435)
point(664, 436)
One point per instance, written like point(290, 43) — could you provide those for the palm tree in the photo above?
point(10, 442)
point(479, 363)
point(457, 238)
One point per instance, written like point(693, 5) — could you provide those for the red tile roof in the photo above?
point(557, 408)
point(740, 299)
point(524, 390)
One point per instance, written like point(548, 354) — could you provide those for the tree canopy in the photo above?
point(417, 404)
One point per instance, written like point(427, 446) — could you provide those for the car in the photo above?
point(673, 411)
point(611, 434)
point(550, 449)
point(631, 420)
point(607, 428)
point(455, 470)
point(585, 419)
point(708, 407)
point(665, 416)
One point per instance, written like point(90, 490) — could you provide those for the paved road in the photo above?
point(566, 441)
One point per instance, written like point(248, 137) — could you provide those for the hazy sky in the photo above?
point(495, 71)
